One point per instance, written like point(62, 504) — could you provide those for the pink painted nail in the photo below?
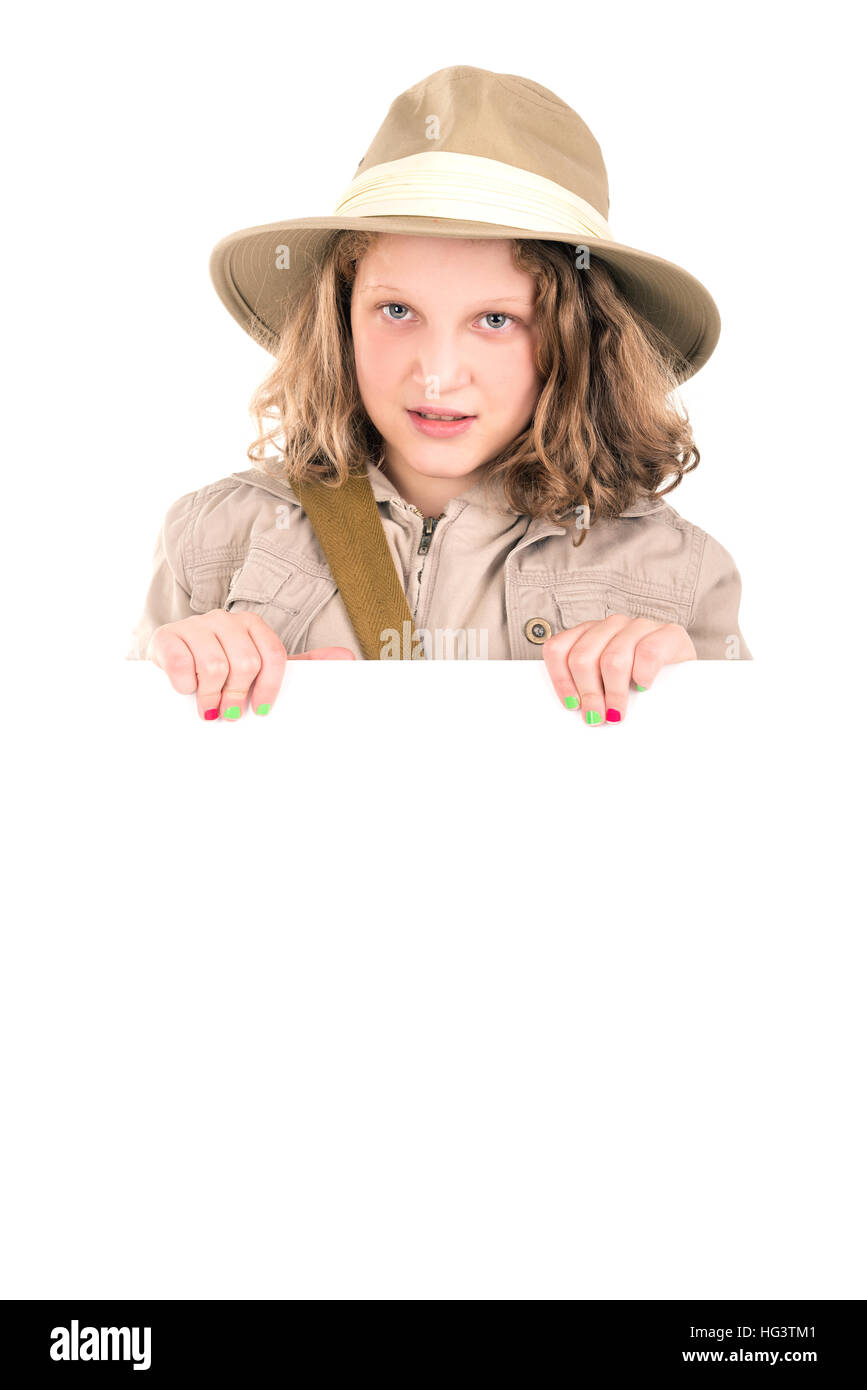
point(612, 715)
point(212, 714)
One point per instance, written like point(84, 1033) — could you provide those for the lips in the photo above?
point(439, 428)
point(440, 414)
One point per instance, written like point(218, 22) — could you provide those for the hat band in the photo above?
point(440, 183)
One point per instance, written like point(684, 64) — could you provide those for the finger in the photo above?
point(583, 661)
point(666, 645)
point(555, 653)
point(245, 662)
point(212, 668)
point(616, 664)
point(272, 664)
point(171, 653)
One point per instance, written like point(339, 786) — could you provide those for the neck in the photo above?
point(430, 494)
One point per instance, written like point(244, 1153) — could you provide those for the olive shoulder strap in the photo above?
point(349, 528)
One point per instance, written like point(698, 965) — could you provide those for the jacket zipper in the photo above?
point(427, 534)
point(429, 525)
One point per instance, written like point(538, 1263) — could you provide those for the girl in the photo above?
point(465, 346)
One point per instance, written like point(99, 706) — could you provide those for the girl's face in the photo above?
point(444, 325)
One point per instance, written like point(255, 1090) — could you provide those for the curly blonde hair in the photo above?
point(604, 432)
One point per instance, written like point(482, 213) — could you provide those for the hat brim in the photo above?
point(258, 291)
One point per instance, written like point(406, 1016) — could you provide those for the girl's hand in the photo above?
point(596, 660)
point(223, 656)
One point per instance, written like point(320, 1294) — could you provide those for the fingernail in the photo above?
point(641, 687)
point(570, 701)
point(612, 715)
point(263, 709)
point(594, 717)
point(233, 712)
point(212, 713)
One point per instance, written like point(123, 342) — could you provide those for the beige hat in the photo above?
point(469, 153)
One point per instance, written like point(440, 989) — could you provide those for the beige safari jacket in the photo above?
point(482, 570)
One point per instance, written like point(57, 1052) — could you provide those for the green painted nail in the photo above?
point(263, 709)
point(570, 701)
point(594, 717)
point(233, 712)
point(641, 687)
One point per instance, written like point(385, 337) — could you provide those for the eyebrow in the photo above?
point(502, 298)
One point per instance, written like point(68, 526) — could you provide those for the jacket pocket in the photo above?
point(285, 594)
point(208, 585)
point(578, 602)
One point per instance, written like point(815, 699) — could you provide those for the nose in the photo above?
point(440, 361)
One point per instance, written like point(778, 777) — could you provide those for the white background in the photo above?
point(420, 988)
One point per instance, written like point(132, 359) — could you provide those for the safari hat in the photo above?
point(469, 153)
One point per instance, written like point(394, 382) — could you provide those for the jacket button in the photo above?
point(537, 630)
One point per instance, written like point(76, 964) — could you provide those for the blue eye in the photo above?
point(492, 314)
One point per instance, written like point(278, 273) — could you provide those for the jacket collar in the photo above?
point(486, 493)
